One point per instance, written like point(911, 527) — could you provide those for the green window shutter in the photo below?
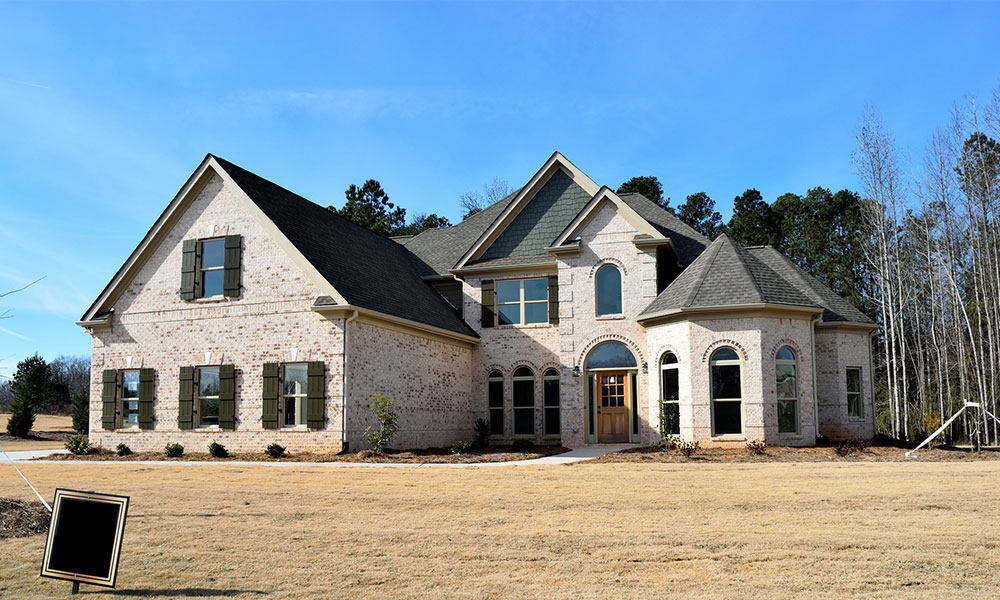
point(227, 397)
point(109, 396)
point(189, 259)
point(269, 416)
point(554, 299)
point(146, 398)
point(232, 264)
point(316, 395)
point(185, 405)
point(489, 303)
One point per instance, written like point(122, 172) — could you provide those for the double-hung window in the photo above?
point(295, 378)
point(522, 301)
point(550, 389)
point(855, 408)
point(208, 396)
point(129, 395)
point(786, 381)
point(670, 421)
point(495, 391)
point(211, 271)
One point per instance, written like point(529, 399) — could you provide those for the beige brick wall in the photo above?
point(836, 351)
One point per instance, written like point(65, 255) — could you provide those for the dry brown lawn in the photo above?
point(692, 530)
point(47, 433)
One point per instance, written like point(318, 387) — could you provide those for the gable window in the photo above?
point(670, 420)
point(494, 386)
point(854, 406)
point(130, 398)
point(294, 378)
point(785, 369)
point(727, 392)
point(609, 290)
point(522, 301)
point(550, 388)
point(524, 401)
point(211, 271)
point(208, 396)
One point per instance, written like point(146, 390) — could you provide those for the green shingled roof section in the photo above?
point(544, 218)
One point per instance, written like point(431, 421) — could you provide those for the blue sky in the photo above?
point(105, 109)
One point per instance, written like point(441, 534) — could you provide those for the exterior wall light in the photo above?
point(576, 370)
point(645, 368)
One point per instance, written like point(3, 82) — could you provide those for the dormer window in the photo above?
point(211, 272)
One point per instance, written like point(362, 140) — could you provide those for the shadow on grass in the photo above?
point(177, 593)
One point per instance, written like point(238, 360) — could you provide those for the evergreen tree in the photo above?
point(81, 412)
point(31, 385)
point(699, 212)
point(650, 187)
point(753, 222)
point(369, 207)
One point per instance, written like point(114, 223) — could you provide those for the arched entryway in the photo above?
point(612, 399)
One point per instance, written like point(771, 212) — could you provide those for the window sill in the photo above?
point(128, 430)
point(527, 326)
point(296, 428)
point(210, 299)
point(618, 317)
point(209, 429)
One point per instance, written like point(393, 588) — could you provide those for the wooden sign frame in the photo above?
point(63, 547)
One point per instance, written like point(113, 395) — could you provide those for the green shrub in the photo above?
point(756, 447)
point(22, 416)
point(522, 445)
point(275, 451)
point(380, 437)
point(461, 447)
point(77, 444)
point(688, 449)
point(174, 450)
point(123, 450)
point(217, 450)
point(81, 411)
point(482, 429)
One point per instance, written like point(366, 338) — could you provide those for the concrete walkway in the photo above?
point(572, 456)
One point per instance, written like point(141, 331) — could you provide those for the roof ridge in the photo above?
point(738, 250)
point(700, 277)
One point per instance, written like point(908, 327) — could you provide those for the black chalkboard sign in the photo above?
point(85, 537)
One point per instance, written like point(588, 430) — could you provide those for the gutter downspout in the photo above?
point(812, 340)
point(343, 389)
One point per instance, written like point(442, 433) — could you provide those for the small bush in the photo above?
point(275, 451)
point(523, 445)
point(380, 437)
point(848, 447)
point(81, 411)
point(461, 447)
point(123, 450)
point(482, 428)
point(77, 444)
point(688, 449)
point(174, 450)
point(22, 416)
point(756, 447)
point(217, 450)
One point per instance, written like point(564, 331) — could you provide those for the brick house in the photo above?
point(564, 313)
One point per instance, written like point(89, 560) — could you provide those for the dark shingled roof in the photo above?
point(727, 274)
point(688, 243)
point(370, 271)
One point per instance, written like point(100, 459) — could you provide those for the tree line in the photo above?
point(59, 387)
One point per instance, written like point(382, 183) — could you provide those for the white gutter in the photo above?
point(812, 340)
point(343, 388)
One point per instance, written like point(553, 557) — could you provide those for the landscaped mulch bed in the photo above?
point(433, 455)
point(19, 518)
point(875, 453)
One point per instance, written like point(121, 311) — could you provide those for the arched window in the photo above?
point(550, 389)
point(494, 384)
point(727, 392)
point(609, 290)
point(670, 420)
point(524, 401)
point(610, 355)
point(785, 370)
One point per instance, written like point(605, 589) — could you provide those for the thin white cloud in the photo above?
point(15, 334)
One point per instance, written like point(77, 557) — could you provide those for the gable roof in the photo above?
point(605, 194)
point(727, 275)
point(687, 242)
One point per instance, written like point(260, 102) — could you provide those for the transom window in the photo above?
point(786, 373)
point(208, 396)
point(670, 421)
point(610, 355)
point(727, 392)
point(522, 301)
point(295, 377)
point(855, 408)
point(129, 395)
point(495, 391)
point(609, 290)
point(211, 271)
point(550, 387)
point(524, 401)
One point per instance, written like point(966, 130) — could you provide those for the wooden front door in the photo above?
point(612, 407)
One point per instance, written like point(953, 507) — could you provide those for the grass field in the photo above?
point(770, 530)
point(47, 433)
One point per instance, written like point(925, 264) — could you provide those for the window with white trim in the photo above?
point(670, 421)
point(727, 392)
point(129, 395)
point(786, 380)
point(609, 290)
point(522, 301)
point(524, 401)
point(855, 408)
point(208, 396)
point(211, 270)
point(294, 382)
